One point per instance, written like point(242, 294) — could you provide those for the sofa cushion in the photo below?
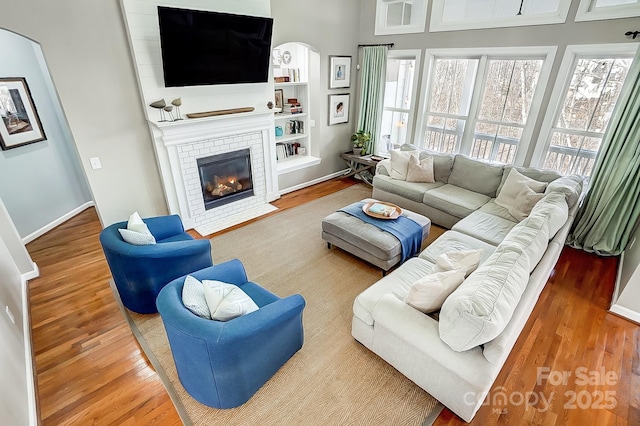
point(459, 260)
point(492, 208)
point(454, 200)
point(453, 240)
point(137, 232)
point(570, 186)
point(398, 282)
point(400, 163)
point(411, 190)
point(531, 236)
point(193, 297)
point(429, 292)
point(540, 175)
point(512, 187)
point(420, 170)
point(475, 175)
point(554, 209)
point(442, 163)
point(480, 309)
point(485, 227)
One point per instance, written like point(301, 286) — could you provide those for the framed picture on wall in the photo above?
point(339, 72)
point(279, 95)
point(20, 122)
point(338, 109)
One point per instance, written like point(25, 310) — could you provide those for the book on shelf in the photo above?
point(294, 127)
point(286, 149)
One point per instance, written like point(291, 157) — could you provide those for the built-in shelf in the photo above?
point(291, 83)
point(285, 116)
point(296, 162)
point(288, 138)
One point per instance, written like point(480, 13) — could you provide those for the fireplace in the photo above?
point(225, 178)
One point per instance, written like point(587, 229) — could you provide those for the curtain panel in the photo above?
point(611, 208)
point(372, 79)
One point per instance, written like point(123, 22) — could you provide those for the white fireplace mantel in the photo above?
point(179, 143)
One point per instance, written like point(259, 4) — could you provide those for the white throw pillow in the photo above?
point(429, 292)
point(420, 170)
point(464, 260)
point(137, 232)
point(514, 183)
point(524, 203)
point(193, 297)
point(400, 163)
point(227, 301)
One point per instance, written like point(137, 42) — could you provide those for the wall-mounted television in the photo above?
point(205, 48)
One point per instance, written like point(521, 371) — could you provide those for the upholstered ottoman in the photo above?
point(367, 241)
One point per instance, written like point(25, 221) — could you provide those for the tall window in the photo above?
point(485, 106)
point(582, 110)
point(399, 97)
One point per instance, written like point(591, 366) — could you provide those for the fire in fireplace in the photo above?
point(225, 178)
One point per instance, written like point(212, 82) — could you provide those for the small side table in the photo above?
point(362, 166)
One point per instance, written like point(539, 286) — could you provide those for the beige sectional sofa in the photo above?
point(456, 353)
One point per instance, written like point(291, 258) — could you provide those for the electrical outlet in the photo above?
point(95, 163)
point(312, 123)
point(10, 314)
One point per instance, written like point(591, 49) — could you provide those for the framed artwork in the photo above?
point(339, 72)
point(279, 95)
point(338, 109)
point(20, 122)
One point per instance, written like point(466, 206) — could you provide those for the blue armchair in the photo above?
point(222, 364)
point(139, 272)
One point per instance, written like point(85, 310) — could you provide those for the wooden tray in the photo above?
point(394, 215)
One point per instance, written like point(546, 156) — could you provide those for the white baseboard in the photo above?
point(28, 354)
point(625, 312)
point(313, 182)
point(56, 222)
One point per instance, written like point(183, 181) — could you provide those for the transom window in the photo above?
point(583, 104)
point(484, 107)
point(400, 16)
point(589, 10)
point(399, 98)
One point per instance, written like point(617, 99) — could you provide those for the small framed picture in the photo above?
point(338, 109)
point(19, 121)
point(279, 96)
point(339, 72)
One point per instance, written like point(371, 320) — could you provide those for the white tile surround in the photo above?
point(179, 144)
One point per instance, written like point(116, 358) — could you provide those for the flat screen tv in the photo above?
point(205, 48)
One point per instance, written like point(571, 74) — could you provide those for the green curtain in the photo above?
point(611, 209)
point(372, 78)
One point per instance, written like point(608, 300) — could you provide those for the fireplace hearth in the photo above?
point(225, 178)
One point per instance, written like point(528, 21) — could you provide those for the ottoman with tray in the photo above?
point(366, 240)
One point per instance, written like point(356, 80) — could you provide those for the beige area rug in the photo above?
point(333, 379)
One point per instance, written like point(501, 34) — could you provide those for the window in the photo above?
point(590, 10)
point(400, 16)
point(590, 82)
point(484, 105)
point(399, 98)
point(448, 15)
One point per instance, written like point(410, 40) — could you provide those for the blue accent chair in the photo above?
point(222, 364)
point(139, 272)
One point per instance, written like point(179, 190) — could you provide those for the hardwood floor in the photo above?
point(90, 369)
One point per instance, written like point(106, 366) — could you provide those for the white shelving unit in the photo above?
point(293, 147)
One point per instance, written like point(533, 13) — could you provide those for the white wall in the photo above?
point(17, 393)
point(626, 299)
point(40, 182)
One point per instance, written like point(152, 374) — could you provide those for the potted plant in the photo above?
point(361, 141)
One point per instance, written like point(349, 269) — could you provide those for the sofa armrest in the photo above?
point(384, 167)
point(162, 227)
point(231, 272)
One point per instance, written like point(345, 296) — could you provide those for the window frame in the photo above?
point(437, 24)
point(418, 19)
point(585, 13)
point(415, 54)
point(545, 53)
point(565, 74)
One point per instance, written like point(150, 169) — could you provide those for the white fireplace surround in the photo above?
point(178, 145)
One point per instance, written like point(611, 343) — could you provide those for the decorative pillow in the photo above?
point(137, 232)
point(512, 187)
point(227, 301)
point(193, 297)
point(524, 203)
point(429, 292)
point(420, 170)
point(400, 163)
point(465, 260)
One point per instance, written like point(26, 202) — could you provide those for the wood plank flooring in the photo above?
point(90, 369)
